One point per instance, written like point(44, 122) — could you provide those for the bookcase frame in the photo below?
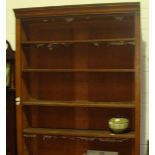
point(76, 67)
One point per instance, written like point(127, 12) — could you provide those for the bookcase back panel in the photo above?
point(111, 87)
point(51, 146)
point(97, 86)
point(76, 118)
point(95, 56)
point(98, 116)
point(106, 56)
point(97, 27)
point(50, 86)
point(56, 57)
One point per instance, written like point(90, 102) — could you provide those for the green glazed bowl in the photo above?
point(118, 124)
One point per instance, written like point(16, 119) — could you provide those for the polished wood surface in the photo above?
point(137, 83)
point(80, 133)
point(78, 9)
point(78, 70)
point(78, 66)
point(79, 104)
point(18, 89)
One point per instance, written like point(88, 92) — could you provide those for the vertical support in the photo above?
point(19, 119)
point(81, 79)
point(137, 84)
point(34, 116)
point(34, 112)
point(81, 87)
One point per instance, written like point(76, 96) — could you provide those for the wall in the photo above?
point(10, 35)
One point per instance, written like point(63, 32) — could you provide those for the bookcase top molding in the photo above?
point(106, 8)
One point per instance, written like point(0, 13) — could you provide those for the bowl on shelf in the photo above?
point(118, 124)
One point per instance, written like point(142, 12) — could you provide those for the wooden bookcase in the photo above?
point(77, 67)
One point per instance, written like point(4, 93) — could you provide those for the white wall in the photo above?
point(10, 35)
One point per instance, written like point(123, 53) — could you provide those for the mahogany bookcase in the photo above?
point(77, 67)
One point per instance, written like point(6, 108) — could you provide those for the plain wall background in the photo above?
point(10, 36)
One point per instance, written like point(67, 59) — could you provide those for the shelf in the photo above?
point(120, 41)
point(77, 133)
point(78, 70)
point(80, 104)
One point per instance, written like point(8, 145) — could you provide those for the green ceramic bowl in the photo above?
point(118, 124)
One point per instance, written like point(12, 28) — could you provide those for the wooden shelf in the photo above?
point(63, 42)
point(77, 133)
point(80, 104)
point(78, 70)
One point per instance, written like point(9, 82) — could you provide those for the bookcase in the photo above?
point(77, 67)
